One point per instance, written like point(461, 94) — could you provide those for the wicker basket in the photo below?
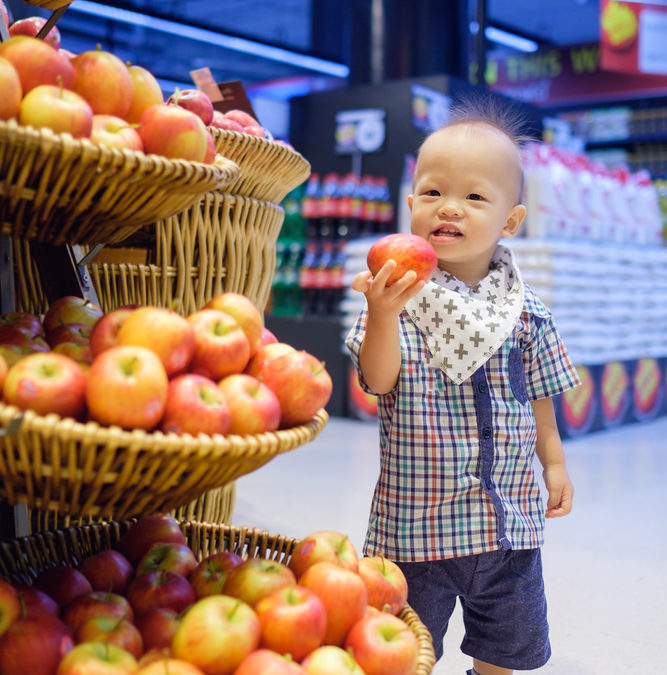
point(57, 189)
point(86, 470)
point(22, 559)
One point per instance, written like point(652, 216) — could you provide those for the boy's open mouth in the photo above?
point(446, 232)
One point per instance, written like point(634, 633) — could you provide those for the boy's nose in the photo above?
point(450, 208)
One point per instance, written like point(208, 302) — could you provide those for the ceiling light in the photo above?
point(503, 37)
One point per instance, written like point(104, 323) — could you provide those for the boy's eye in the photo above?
point(475, 197)
point(432, 193)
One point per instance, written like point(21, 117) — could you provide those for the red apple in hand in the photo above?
point(98, 658)
point(244, 311)
point(148, 530)
point(194, 100)
point(324, 546)
point(386, 583)
point(115, 132)
point(105, 330)
point(410, 253)
point(31, 26)
point(209, 577)
point(255, 578)
point(10, 84)
point(107, 570)
point(63, 583)
point(59, 109)
point(9, 605)
point(331, 660)
point(167, 555)
point(146, 92)
point(254, 408)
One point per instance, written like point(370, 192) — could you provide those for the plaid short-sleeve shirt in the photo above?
point(456, 475)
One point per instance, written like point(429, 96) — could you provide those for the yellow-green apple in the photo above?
point(157, 627)
point(33, 602)
point(331, 660)
point(115, 132)
point(173, 132)
point(194, 100)
point(13, 353)
point(162, 588)
point(127, 386)
point(254, 408)
point(30, 324)
point(79, 333)
point(344, 595)
point(293, 621)
point(146, 531)
point(255, 578)
point(105, 330)
point(97, 66)
point(164, 332)
point(264, 354)
point(167, 666)
point(216, 634)
point(195, 405)
point(324, 546)
point(31, 26)
point(265, 661)
point(146, 92)
point(10, 84)
point(57, 108)
point(221, 346)
point(383, 644)
point(208, 578)
point(386, 583)
point(241, 117)
point(4, 368)
point(112, 630)
point(244, 311)
point(301, 383)
point(409, 251)
point(267, 337)
point(9, 605)
point(78, 352)
point(35, 645)
point(107, 570)
point(46, 382)
point(71, 309)
point(97, 658)
point(95, 603)
point(167, 555)
point(62, 582)
point(37, 63)
point(219, 121)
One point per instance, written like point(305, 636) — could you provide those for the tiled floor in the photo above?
point(605, 564)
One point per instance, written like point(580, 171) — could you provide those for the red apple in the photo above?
point(331, 660)
point(30, 324)
point(167, 666)
point(264, 354)
point(267, 337)
point(37, 63)
point(96, 66)
point(301, 383)
point(167, 556)
point(173, 132)
point(13, 353)
point(31, 26)
point(244, 311)
point(9, 605)
point(324, 546)
point(255, 130)
point(221, 346)
point(33, 602)
point(111, 630)
point(95, 603)
point(267, 662)
point(34, 645)
point(410, 253)
point(10, 84)
point(242, 118)
point(107, 570)
point(127, 386)
point(383, 644)
point(59, 109)
point(46, 383)
point(219, 121)
point(162, 588)
point(194, 100)
point(62, 582)
point(157, 627)
point(145, 532)
point(254, 408)
point(293, 621)
point(209, 577)
point(195, 405)
point(79, 333)
point(71, 309)
point(97, 658)
point(386, 583)
point(115, 132)
point(210, 148)
point(146, 92)
point(77, 352)
point(20, 337)
point(163, 331)
point(343, 594)
point(255, 578)
point(216, 634)
point(105, 330)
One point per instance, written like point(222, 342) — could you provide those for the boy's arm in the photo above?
point(552, 457)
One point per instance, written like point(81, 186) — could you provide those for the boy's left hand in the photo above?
point(557, 482)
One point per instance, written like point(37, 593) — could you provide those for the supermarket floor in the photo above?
point(605, 563)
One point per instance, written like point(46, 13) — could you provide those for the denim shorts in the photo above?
point(503, 603)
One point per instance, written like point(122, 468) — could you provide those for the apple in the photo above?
point(62, 582)
point(30, 324)
point(209, 577)
point(241, 117)
point(161, 588)
point(105, 330)
point(210, 149)
point(255, 130)
point(78, 352)
point(264, 354)
point(386, 583)
point(409, 251)
point(10, 84)
point(163, 331)
point(46, 383)
point(13, 334)
point(78, 333)
point(383, 644)
point(71, 309)
point(33, 602)
point(107, 570)
point(324, 546)
point(267, 337)
point(97, 658)
point(293, 621)
point(157, 627)
point(344, 595)
point(194, 100)
point(145, 532)
point(255, 578)
point(10, 607)
point(37, 63)
point(254, 408)
point(244, 311)
point(267, 662)
point(195, 405)
point(13, 353)
point(221, 346)
point(331, 660)
point(34, 645)
point(167, 556)
point(146, 92)
point(115, 132)
point(173, 132)
point(219, 121)
point(169, 666)
point(301, 383)
point(112, 630)
point(216, 634)
point(31, 26)
point(96, 66)
point(95, 603)
point(59, 109)
point(127, 386)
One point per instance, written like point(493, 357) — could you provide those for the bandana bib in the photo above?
point(464, 327)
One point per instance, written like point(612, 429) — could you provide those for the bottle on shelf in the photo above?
point(307, 277)
point(368, 206)
point(310, 204)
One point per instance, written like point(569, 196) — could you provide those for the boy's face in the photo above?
point(466, 193)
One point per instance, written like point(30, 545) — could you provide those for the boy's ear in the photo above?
point(513, 222)
point(410, 200)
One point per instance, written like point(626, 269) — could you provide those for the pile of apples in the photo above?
point(95, 95)
point(148, 607)
point(217, 371)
